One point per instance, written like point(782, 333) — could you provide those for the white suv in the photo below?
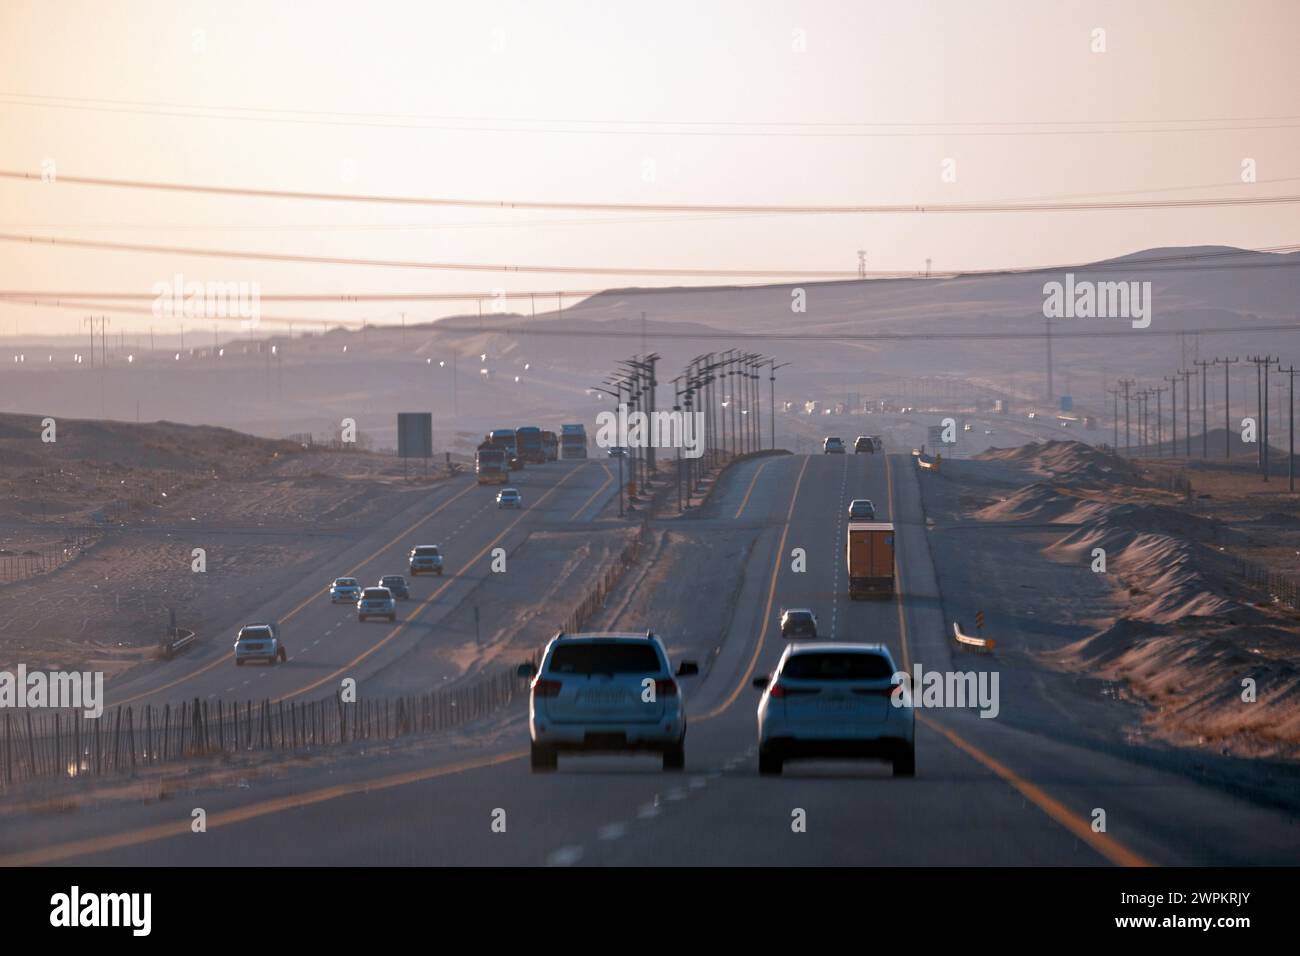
point(605, 692)
point(836, 700)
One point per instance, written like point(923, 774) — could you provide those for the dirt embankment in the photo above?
point(98, 527)
point(1215, 659)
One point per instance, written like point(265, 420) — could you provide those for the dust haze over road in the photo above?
point(834, 436)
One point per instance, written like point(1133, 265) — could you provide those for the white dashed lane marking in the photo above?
point(565, 856)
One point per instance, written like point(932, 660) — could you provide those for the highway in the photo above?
point(985, 793)
point(325, 641)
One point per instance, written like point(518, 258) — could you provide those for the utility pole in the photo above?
point(1262, 363)
point(1186, 375)
point(772, 397)
point(1173, 413)
point(1051, 394)
point(1127, 383)
point(1158, 392)
point(1227, 418)
point(1290, 458)
point(1204, 366)
point(1114, 418)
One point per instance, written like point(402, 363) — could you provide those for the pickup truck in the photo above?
point(259, 642)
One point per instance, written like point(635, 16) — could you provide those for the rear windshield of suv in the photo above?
point(836, 665)
point(798, 617)
point(426, 552)
point(612, 658)
point(255, 634)
point(375, 593)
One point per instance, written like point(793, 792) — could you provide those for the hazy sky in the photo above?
point(692, 102)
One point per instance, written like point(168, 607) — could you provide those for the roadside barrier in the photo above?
point(125, 740)
point(176, 639)
point(984, 644)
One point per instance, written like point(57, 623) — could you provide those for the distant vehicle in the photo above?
point(833, 446)
point(1065, 424)
point(504, 438)
point(988, 431)
point(835, 701)
point(259, 642)
point(397, 585)
point(345, 589)
point(573, 441)
point(529, 440)
point(967, 427)
point(424, 559)
point(870, 559)
point(551, 445)
point(617, 451)
point(509, 498)
point(878, 442)
point(606, 692)
point(376, 602)
point(861, 509)
point(863, 444)
point(798, 622)
point(1033, 415)
point(491, 464)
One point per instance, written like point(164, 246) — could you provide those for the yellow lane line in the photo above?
point(60, 852)
point(1103, 843)
point(302, 604)
point(753, 481)
point(609, 476)
point(761, 637)
point(427, 601)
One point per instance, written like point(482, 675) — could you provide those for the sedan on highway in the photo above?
point(861, 509)
point(798, 622)
point(509, 498)
point(345, 590)
point(835, 701)
point(606, 692)
point(833, 446)
point(397, 585)
point(425, 559)
point(376, 602)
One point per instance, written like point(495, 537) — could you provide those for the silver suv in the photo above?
point(606, 692)
point(425, 559)
point(377, 602)
point(259, 642)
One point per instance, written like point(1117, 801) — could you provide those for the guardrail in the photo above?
point(984, 644)
point(177, 639)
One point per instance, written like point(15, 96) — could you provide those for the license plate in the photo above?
point(602, 698)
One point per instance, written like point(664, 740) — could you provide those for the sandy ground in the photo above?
point(125, 505)
point(1154, 651)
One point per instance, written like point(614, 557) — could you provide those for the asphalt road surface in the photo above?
point(326, 642)
point(984, 793)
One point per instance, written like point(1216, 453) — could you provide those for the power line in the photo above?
point(811, 209)
point(538, 329)
point(1151, 264)
point(606, 127)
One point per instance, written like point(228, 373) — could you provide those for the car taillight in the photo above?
point(546, 688)
point(665, 688)
point(776, 690)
